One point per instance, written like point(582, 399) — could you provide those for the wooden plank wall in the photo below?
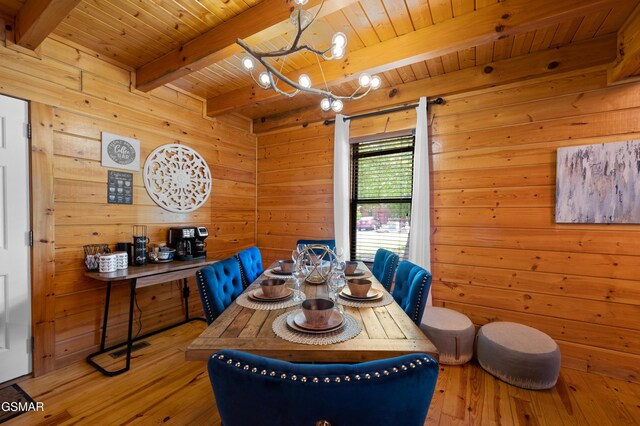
point(496, 252)
point(295, 182)
point(88, 96)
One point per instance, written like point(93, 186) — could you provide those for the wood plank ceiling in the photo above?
point(147, 35)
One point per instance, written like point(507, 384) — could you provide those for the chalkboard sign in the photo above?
point(120, 187)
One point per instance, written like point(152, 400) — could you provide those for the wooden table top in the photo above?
point(386, 332)
point(153, 273)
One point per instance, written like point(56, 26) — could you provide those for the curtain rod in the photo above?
point(437, 101)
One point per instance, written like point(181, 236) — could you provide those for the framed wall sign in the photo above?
point(119, 187)
point(120, 152)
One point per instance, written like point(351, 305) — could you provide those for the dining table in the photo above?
point(386, 331)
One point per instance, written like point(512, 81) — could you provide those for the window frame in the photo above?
point(355, 201)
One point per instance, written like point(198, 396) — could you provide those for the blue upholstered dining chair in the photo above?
point(250, 261)
point(330, 243)
point(253, 390)
point(384, 267)
point(411, 289)
point(219, 284)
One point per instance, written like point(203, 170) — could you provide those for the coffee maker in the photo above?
point(188, 242)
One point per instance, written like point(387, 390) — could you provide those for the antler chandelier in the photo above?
point(271, 77)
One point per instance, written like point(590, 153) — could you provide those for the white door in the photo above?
point(15, 300)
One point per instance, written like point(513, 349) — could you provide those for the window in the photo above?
point(381, 188)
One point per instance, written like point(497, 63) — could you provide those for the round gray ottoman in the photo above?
point(519, 355)
point(451, 332)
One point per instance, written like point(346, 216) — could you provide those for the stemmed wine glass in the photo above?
point(336, 284)
point(298, 274)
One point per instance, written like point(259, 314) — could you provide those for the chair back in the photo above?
point(384, 267)
point(252, 390)
point(218, 284)
point(411, 289)
point(250, 261)
point(330, 243)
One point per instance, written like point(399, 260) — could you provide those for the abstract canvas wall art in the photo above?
point(599, 183)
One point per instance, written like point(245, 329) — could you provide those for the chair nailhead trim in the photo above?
point(263, 372)
point(315, 380)
point(294, 377)
point(246, 367)
point(303, 380)
point(283, 376)
point(327, 380)
point(229, 361)
point(347, 378)
point(404, 367)
point(385, 372)
point(337, 379)
point(376, 374)
point(254, 370)
point(418, 362)
point(395, 370)
point(221, 357)
point(357, 377)
point(238, 364)
point(272, 374)
point(367, 376)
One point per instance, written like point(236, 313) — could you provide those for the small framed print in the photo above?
point(120, 152)
point(119, 187)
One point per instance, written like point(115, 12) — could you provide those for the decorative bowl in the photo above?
point(359, 287)
point(273, 287)
point(317, 311)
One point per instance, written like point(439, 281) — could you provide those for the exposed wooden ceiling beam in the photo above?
point(575, 56)
point(37, 19)
point(486, 25)
point(627, 62)
point(264, 21)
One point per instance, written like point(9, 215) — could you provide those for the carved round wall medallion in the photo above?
point(177, 178)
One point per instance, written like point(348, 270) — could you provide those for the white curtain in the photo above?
point(341, 162)
point(420, 234)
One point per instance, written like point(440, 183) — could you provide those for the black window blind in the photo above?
point(381, 191)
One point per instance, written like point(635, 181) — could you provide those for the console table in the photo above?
point(143, 276)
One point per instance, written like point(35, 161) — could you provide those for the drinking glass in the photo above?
point(298, 275)
point(336, 284)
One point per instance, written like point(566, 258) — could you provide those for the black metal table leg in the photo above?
point(129, 341)
point(103, 338)
point(185, 293)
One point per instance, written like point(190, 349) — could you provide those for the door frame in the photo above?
point(43, 227)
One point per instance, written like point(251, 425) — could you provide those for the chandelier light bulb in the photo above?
point(300, 2)
point(339, 40)
point(325, 104)
point(304, 81)
point(264, 79)
point(337, 52)
point(364, 79)
point(375, 82)
point(247, 63)
point(336, 105)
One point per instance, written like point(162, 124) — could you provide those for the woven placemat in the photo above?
point(350, 330)
point(386, 300)
point(243, 300)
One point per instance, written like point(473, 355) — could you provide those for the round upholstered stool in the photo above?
point(451, 332)
point(519, 355)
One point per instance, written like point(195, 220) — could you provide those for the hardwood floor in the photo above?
point(164, 388)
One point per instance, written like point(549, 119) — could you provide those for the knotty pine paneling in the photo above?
point(87, 96)
point(497, 253)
